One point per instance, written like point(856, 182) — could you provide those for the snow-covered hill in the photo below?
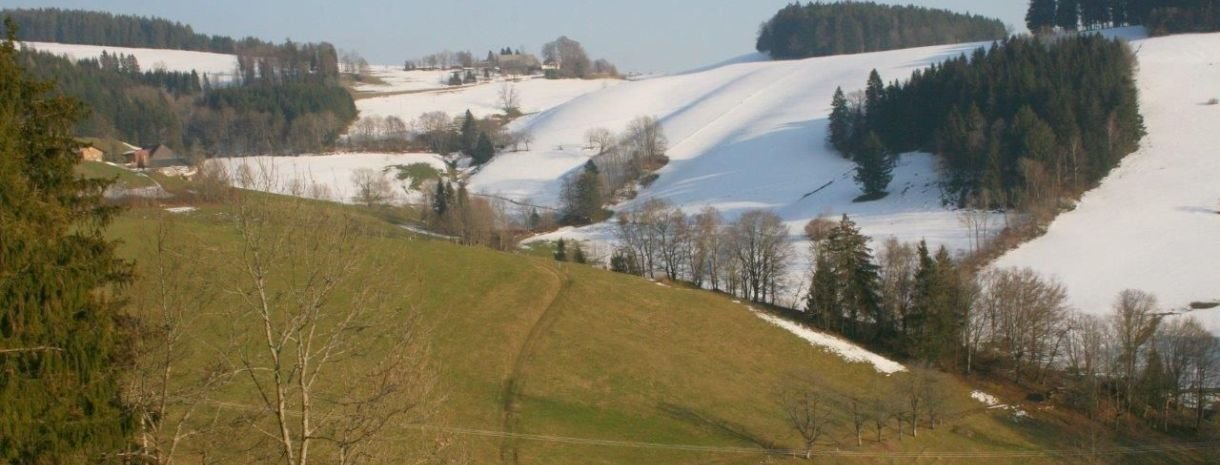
point(218, 67)
point(748, 133)
point(535, 94)
point(1153, 224)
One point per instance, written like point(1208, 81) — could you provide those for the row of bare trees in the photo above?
point(748, 257)
point(898, 409)
point(1139, 360)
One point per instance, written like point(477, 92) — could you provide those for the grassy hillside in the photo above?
point(128, 178)
point(550, 352)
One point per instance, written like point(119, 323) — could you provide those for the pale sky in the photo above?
point(637, 35)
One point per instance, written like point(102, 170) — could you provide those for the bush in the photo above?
point(648, 179)
point(1213, 101)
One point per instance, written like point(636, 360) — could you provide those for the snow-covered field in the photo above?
point(218, 67)
point(397, 80)
point(536, 94)
point(296, 175)
point(1153, 223)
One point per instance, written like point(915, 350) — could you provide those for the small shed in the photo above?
point(91, 154)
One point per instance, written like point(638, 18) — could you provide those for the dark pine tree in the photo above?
point(440, 200)
point(1094, 13)
point(561, 251)
point(858, 278)
point(1067, 16)
point(916, 326)
point(840, 122)
point(468, 137)
point(62, 343)
point(585, 197)
point(874, 98)
point(483, 150)
point(874, 168)
point(1041, 15)
point(822, 303)
point(578, 253)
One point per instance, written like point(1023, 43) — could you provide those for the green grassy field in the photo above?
point(583, 366)
point(130, 179)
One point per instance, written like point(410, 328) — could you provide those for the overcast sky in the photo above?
point(637, 35)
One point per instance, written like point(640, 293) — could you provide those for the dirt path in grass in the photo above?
point(513, 383)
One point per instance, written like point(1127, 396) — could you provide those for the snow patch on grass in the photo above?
point(985, 398)
point(840, 347)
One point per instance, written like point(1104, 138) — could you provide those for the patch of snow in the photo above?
point(397, 80)
point(218, 67)
point(1151, 225)
point(988, 399)
point(425, 232)
point(333, 173)
point(181, 209)
point(847, 350)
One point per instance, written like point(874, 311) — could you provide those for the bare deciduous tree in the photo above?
point(329, 358)
point(1135, 323)
point(759, 243)
point(1023, 317)
point(171, 301)
point(599, 138)
point(372, 187)
point(808, 414)
point(509, 98)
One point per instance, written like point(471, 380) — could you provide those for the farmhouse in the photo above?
point(157, 156)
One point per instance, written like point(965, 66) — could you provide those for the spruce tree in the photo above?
point(561, 251)
point(586, 202)
point(1094, 13)
point(1041, 15)
point(440, 202)
point(578, 253)
point(483, 150)
point(874, 168)
point(1067, 16)
point(534, 220)
point(61, 342)
point(469, 134)
point(858, 277)
point(874, 95)
point(840, 122)
point(822, 303)
point(918, 334)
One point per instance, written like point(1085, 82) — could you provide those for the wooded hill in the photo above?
point(284, 99)
point(102, 28)
point(821, 29)
point(1160, 16)
point(1022, 123)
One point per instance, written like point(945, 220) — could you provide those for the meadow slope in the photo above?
point(656, 374)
